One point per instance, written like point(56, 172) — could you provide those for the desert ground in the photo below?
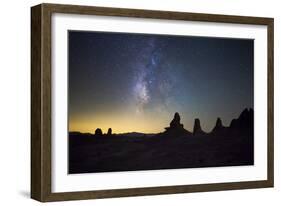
point(172, 149)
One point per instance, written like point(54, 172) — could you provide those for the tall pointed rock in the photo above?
point(176, 128)
point(218, 127)
point(197, 128)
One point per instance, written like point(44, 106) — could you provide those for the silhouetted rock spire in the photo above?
point(218, 123)
point(176, 128)
point(197, 128)
point(218, 127)
point(175, 123)
point(109, 131)
point(98, 132)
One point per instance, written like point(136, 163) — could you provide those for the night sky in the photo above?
point(136, 82)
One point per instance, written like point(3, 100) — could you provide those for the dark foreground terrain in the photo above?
point(172, 149)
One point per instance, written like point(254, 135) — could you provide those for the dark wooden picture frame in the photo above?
point(41, 117)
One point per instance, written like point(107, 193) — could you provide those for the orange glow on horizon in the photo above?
point(120, 125)
point(130, 122)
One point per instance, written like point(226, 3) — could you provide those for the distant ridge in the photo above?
point(135, 134)
point(79, 133)
point(127, 134)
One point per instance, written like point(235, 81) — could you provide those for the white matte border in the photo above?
point(63, 182)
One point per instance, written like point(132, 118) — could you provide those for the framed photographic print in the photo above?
point(132, 102)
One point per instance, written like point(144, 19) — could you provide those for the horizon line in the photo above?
point(128, 132)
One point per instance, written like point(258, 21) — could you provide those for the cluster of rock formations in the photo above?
point(243, 124)
point(98, 132)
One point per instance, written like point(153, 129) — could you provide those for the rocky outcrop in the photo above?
point(98, 132)
point(244, 123)
point(176, 128)
point(218, 124)
point(218, 127)
point(197, 128)
point(234, 124)
point(109, 131)
point(175, 123)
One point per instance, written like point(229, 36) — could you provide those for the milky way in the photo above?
point(151, 84)
point(136, 82)
point(144, 75)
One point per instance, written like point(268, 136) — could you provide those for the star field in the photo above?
point(136, 82)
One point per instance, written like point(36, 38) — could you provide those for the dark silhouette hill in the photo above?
point(135, 134)
point(174, 148)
